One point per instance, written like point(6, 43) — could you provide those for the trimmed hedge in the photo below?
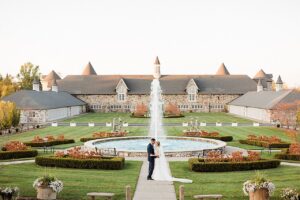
point(17, 154)
point(284, 156)
point(201, 166)
point(110, 163)
point(222, 138)
point(50, 143)
point(265, 144)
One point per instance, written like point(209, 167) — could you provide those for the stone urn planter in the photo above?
point(45, 193)
point(260, 194)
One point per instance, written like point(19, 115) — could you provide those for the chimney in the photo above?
point(269, 84)
point(259, 86)
point(279, 84)
point(156, 74)
point(36, 85)
point(54, 86)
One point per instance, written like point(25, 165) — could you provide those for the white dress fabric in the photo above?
point(162, 170)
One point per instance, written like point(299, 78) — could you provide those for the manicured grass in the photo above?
point(77, 182)
point(204, 117)
point(229, 184)
point(69, 133)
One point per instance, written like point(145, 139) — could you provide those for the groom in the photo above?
point(151, 158)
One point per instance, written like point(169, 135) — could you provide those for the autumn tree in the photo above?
point(172, 110)
point(7, 85)
point(9, 115)
point(28, 72)
point(140, 110)
point(286, 113)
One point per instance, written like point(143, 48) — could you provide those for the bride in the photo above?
point(161, 169)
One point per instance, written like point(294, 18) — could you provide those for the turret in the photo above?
point(259, 86)
point(156, 74)
point(279, 84)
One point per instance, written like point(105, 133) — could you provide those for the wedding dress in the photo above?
point(162, 170)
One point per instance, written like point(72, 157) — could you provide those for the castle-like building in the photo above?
point(122, 93)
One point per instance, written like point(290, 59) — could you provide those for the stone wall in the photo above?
point(203, 103)
point(32, 116)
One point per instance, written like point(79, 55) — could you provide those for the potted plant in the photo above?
point(7, 193)
point(290, 194)
point(47, 187)
point(258, 188)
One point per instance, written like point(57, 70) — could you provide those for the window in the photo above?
point(127, 106)
point(32, 114)
point(121, 97)
point(183, 107)
point(115, 107)
point(197, 106)
point(192, 97)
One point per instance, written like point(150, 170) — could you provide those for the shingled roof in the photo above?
point(266, 99)
point(43, 100)
point(171, 84)
point(222, 70)
point(50, 77)
point(89, 70)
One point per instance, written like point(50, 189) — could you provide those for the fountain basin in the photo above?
point(173, 146)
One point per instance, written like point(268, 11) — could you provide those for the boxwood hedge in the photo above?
point(285, 156)
point(17, 154)
point(198, 165)
point(50, 143)
point(265, 144)
point(222, 138)
point(110, 163)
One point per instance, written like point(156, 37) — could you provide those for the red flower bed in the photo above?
point(78, 153)
point(201, 134)
point(294, 149)
point(265, 141)
point(15, 146)
point(236, 156)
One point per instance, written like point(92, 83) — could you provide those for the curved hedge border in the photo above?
point(17, 154)
point(284, 156)
point(201, 166)
point(50, 143)
point(110, 163)
point(222, 138)
point(265, 144)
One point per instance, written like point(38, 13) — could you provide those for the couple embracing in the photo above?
point(153, 154)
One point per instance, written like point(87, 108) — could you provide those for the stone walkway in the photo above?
point(16, 162)
point(150, 190)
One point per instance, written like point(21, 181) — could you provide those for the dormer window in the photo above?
point(121, 97)
point(121, 90)
point(192, 90)
point(192, 97)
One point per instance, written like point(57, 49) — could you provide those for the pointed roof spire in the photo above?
point(157, 61)
point(260, 74)
point(222, 70)
point(279, 81)
point(89, 70)
point(52, 75)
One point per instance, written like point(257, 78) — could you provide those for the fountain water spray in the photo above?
point(156, 110)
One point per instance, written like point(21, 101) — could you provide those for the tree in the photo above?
point(7, 86)
point(286, 113)
point(172, 110)
point(140, 110)
point(28, 72)
point(9, 115)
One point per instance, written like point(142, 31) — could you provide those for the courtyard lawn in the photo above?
point(69, 133)
point(204, 117)
point(229, 184)
point(77, 182)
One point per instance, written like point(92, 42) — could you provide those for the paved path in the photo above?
point(16, 162)
point(290, 164)
point(153, 190)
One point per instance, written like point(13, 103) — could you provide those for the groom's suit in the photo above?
point(151, 159)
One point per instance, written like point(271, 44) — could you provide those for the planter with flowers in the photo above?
point(47, 187)
point(290, 194)
point(8, 193)
point(258, 188)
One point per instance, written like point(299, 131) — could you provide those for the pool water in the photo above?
point(167, 144)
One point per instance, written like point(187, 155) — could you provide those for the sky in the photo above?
point(124, 37)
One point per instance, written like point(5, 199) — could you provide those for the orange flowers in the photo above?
point(78, 153)
point(15, 146)
point(236, 156)
point(49, 138)
point(294, 149)
point(268, 139)
point(201, 134)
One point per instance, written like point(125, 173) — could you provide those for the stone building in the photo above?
point(121, 93)
point(38, 106)
point(259, 105)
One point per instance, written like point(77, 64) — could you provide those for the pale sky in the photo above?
point(124, 36)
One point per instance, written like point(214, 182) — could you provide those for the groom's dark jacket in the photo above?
point(150, 150)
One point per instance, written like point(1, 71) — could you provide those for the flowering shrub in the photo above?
point(49, 138)
point(172, 110)
point(271, 139)
point(258, 182)
point(9, 191)
point(290, 194)
point(109, 134)
point(15, 146)
point(140, 110)
point(236, 156)
point(48, 181)
point(214, 156)
point(201, 134)
point(253, 156)
point(60, 138)
point(294, 149)
point(78, 153)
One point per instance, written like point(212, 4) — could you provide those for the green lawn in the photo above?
point(230, 184)
point(77, 182)
point(204, 117)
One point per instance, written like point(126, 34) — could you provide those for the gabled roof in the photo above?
point(222, 70)
point(171, 84)
point(89, 70)
point(266, 99)
point(43, 100)
point(191, 82)
point(279, 81)
point(121, 82)
point(157, 61)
